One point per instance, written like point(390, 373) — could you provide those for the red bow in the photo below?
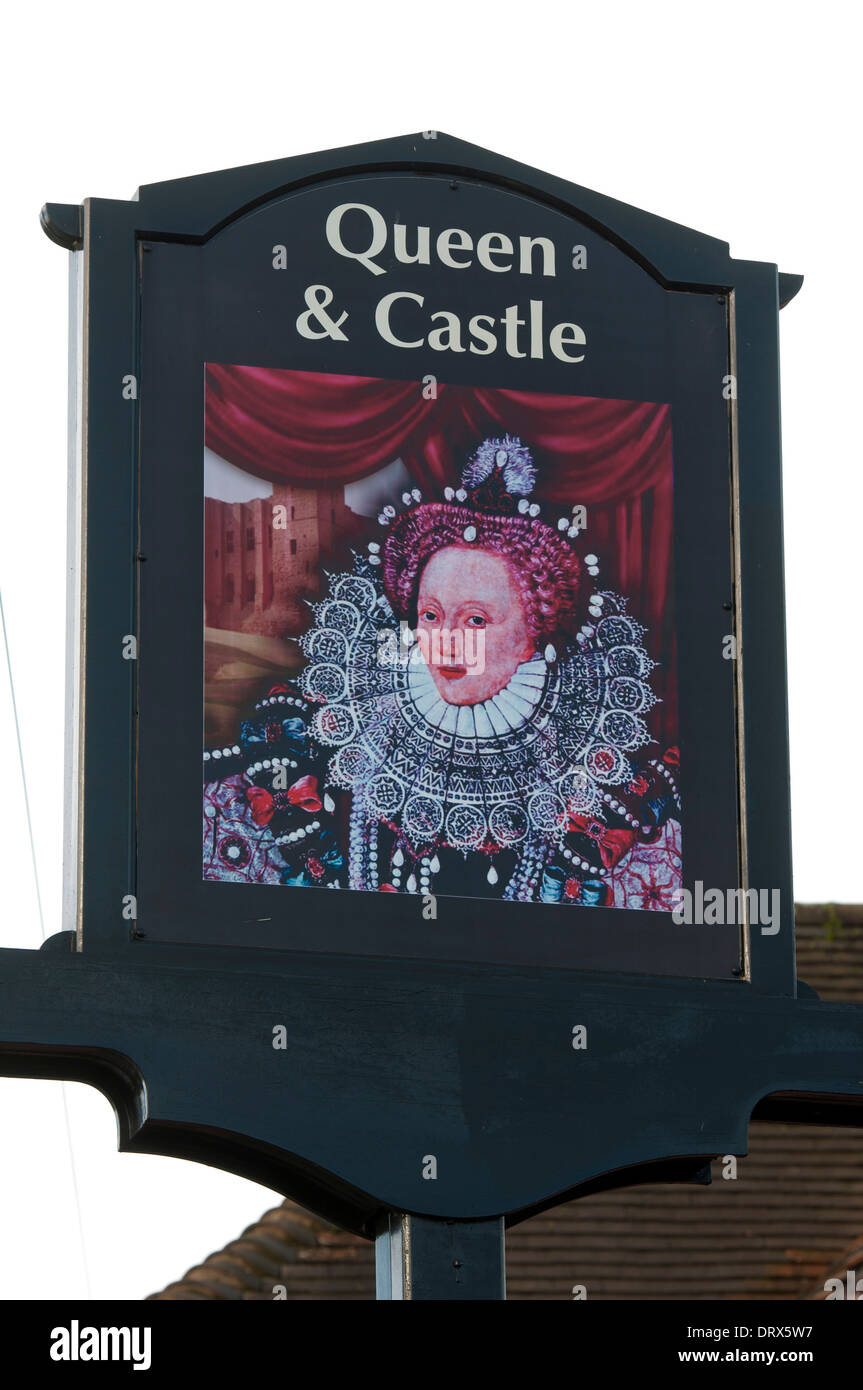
point(613, 844)
point(263, 804)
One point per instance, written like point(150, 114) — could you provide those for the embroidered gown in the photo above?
point(361, 776)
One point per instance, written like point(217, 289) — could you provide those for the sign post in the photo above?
point(432, 505)
point(419, 1258)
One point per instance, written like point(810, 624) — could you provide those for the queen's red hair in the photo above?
point(544, 567)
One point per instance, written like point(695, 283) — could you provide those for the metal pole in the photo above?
point(425, 1257)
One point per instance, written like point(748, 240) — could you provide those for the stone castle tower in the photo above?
point(261, 562)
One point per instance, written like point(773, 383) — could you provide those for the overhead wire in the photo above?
point(63, 1089)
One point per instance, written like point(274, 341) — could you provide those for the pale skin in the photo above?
point(465, 592)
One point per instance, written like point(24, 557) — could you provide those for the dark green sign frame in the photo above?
point(391, 1060)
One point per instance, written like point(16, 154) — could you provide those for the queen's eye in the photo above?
point(429, 616)
point(476, 620)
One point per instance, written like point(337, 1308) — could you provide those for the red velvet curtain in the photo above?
point(613, 457)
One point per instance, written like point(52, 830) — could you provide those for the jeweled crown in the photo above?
point(496, 481)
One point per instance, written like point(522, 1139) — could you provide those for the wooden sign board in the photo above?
point(432, 506)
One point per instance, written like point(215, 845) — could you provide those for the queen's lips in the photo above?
point(453, 673)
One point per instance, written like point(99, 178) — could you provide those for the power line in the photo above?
point(74, 1174)
point(21, 764)
point(72, 1168)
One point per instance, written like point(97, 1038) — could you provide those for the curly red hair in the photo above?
point(545, 568)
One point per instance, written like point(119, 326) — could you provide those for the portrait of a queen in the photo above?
point(472, 717)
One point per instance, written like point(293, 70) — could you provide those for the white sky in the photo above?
point(229, 483)
point(741, 120)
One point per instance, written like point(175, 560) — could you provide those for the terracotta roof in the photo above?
point(788, 1221)
point(852, 1259)
point(830, 950)
point(289, 1247)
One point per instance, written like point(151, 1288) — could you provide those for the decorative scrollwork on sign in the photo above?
point(339, 615)
point(422, 818)
point(322, 682)
point(384, 795)
point(508, 823)
point(334, 725)
point(466, 827)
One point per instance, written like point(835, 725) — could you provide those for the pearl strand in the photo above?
point(227, 752)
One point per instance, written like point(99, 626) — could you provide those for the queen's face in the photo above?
point(471, 623)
